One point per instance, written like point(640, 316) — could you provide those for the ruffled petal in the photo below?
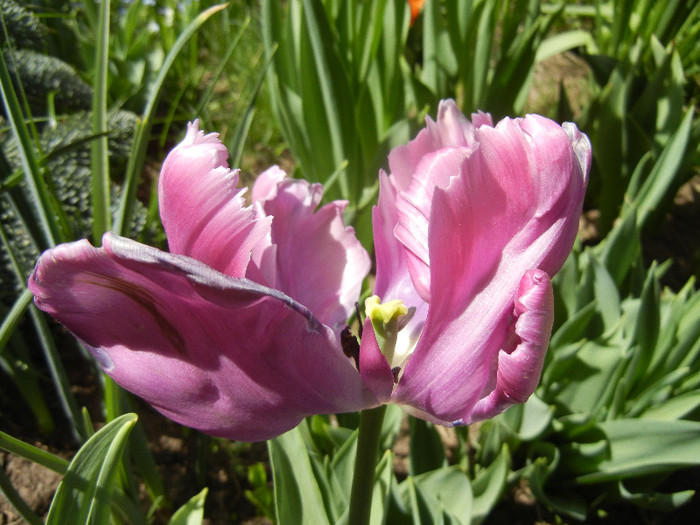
point(520, 361)
point(203, 211)
point(319, 261)
point(513, 208)
point(451, 130)
point(224, 355)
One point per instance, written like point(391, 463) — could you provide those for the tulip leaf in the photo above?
point(677, 407)
point(656, 500)
point(664, 175)
point(85, 493)
point(192, 512)
point(606, 293)
point(383, 482)
point(530, 419)
point(639, 447)
point(427, 451)
point(565, 501)
point(488, 486)
point(298, 497)
point(446, 494)
point(574, 328)
point(587, 377)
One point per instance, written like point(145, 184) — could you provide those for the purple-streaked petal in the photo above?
point(520, 364)
point(224, 355)
point(203, 210)
point(319, 261)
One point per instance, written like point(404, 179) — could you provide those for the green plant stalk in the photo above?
point(365, 465)
point(99, 158)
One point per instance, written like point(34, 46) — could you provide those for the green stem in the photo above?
point(365, 465)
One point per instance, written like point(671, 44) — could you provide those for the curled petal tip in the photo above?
point(519, 370)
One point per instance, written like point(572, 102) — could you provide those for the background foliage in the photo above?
point(94, 94)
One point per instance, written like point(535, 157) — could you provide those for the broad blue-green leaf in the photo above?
point(546, 460)
point(585, 381)
point(677, 407)
point(447, 494)
point(298, 498)
point(606, 294)
point(639, 447)
point(656, 500)
point(529, 420)
point(488, 486)
point(85, 494)
point(383, 482)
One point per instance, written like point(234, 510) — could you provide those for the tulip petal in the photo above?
point(413, 207)
point(393, 277)
point(374, 369)
point(513, 208)
point(203, 211)
point(520, 363)
point(319, 261)
point(223, 355)
point(451, 130)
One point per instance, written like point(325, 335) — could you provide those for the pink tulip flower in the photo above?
point(236, 331)
point(471, 223)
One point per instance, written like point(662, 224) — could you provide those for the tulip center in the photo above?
point(387, 322)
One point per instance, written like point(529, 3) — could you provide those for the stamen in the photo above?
point(359, 318)
point(403, 321)
point(351, 347)
point(395, 372)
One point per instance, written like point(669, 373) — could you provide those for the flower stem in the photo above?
point(365, 465)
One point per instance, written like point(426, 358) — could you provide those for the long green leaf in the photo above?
point(35, 454)
point(84, 496)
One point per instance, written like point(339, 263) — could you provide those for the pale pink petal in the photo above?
point(223, 355)
point(265, 187)
point(451, 130)
point(203, 210)
point(393, 279)
point(481, 119)
point(319, 261)
point(413, 208)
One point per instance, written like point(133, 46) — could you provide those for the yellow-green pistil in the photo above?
point(385, 321)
